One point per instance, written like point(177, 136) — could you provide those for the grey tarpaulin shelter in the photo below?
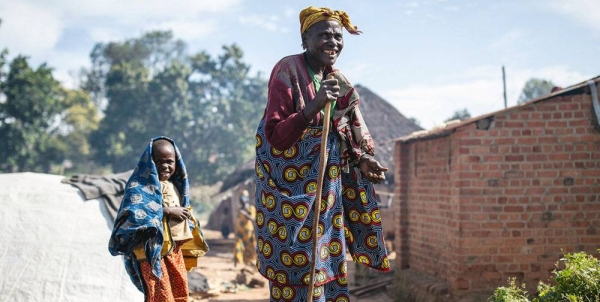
point(54, 244)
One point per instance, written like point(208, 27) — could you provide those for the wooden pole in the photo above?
point(504, 85)
point(317, 204)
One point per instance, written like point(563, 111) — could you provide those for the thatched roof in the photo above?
point(384, 122)
point(240, 175)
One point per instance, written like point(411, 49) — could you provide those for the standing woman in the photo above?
point(288, 143)
point(244, 249)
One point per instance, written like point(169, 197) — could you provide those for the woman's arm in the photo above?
point(283, 126)
point(365, 149)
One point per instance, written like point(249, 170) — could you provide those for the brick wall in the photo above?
point(477, 206)
point(429, 205)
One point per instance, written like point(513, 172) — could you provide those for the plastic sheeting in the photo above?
point(54, 245)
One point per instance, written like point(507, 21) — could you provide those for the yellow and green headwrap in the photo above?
point(312, 15)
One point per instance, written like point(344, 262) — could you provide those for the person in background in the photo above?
point(288, 142)
point(244, 250)
point(157, 188)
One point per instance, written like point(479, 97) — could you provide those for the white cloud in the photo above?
point(586, 12)
point(559, 75)
point(138, 9)
point(480, 90)
point(34, 26)
point(185, 29)
point(507, 40)
point(70, 64)
point(357, 69)
point(270, 23)
point(431, 105)
point(28, 29)
point(106, 34)
point(289, 12)
point(452, 8)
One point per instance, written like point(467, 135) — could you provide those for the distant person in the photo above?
point(288, 142)
point(225, 231)
point(157, 188)
point(244, 250)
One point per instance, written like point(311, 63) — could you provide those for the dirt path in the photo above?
point(217, 267)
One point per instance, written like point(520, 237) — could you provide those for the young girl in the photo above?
point(157, 188)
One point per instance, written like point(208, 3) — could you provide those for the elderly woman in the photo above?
point(287, 166)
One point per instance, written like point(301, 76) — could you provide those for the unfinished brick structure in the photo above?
point(497, 196)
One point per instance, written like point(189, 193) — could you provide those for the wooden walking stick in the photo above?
point(317, 205)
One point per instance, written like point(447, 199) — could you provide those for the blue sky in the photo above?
point(428, 58)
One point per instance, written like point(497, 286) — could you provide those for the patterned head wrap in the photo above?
point(312, 15)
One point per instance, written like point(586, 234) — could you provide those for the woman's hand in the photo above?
point(176, 213)
point(372, 169)
point(329, 92)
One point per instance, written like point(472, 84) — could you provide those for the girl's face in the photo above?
point(165, 161)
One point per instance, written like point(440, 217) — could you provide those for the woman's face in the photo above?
point(323, 42)
point(164, 159)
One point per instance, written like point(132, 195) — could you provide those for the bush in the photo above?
point(577, 281)
point(512, 293)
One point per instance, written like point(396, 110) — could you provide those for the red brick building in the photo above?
point(497, 196)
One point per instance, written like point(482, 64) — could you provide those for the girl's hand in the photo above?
point(176, 213)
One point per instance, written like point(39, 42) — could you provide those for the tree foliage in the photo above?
point(459, 115)
point(535, 88)
point(78, 121)
point(28, 116)
point(415, 120)
point(150, 86)
point(39, 126)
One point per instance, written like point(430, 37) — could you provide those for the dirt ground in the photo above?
point(217, 266)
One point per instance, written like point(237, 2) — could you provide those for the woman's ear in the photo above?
point(303, 43)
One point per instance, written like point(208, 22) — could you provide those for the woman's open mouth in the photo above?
point(330, 52)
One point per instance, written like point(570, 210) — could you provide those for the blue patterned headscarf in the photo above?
point(140, 214)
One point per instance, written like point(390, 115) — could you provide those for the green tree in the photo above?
point(459, 115)
point(29, 117)
point(151, 52)
point(415, 120)
point(78, 121)
point(209, 106)
point(535, 88)
point(41, 123)
point(228, 106)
